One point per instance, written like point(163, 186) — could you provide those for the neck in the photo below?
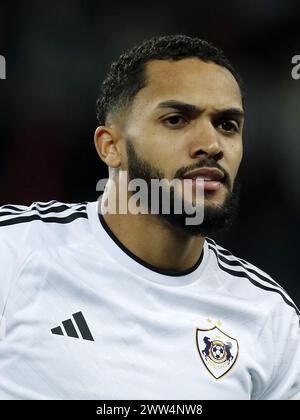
point(154, 241)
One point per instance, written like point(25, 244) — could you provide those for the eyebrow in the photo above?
point(194, 111)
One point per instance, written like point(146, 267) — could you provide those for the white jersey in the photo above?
point(83, 318)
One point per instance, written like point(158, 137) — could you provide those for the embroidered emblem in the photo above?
point(218, 351)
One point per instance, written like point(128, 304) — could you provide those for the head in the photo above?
point(169, 107)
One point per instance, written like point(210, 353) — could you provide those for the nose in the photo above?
point(206, 142)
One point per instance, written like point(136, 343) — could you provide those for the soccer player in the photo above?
point(101, 303)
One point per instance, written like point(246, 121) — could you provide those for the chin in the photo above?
point(213, 198)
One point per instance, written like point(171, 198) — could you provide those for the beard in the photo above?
point(217, 218)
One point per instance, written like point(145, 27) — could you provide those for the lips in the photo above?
point(209, 174)
point(212, 177)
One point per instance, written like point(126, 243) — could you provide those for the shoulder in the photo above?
point(249, 281)
point(40, 224)
point(46, 212)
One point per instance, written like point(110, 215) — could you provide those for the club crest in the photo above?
point(217, 350)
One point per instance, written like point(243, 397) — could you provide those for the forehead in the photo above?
point(190, 80)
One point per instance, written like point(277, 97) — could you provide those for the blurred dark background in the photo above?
point(57, 54)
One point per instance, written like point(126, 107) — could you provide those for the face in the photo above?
point(187, 122)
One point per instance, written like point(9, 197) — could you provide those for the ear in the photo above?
point(105, 143)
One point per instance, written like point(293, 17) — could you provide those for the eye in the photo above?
point(230, 126)
point(175, 121)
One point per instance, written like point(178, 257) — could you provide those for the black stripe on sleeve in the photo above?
point(254, 282)
point(69, 205)
point(62, 220)
point(238, 262)
point(57, 209)
point(13, 207)
point(22, 207)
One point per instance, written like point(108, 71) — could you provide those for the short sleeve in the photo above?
point(284, 331)
point(15, 245)
point(25, 229)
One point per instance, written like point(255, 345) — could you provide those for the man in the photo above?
point(107, 304)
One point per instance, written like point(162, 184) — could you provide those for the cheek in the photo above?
point(237, 154)
point(154, 147)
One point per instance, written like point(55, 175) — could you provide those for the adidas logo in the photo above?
point(71, 330)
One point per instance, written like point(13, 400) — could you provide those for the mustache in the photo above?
point(201, 164)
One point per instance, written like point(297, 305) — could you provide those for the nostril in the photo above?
point(200, 153)
point(218, 156)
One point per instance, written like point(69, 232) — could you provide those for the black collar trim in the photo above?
point(165, 272)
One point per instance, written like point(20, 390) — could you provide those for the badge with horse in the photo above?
point(218, 351)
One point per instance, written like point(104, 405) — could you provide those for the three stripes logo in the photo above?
point(70, 329)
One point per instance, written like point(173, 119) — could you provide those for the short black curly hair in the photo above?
point(126, 76)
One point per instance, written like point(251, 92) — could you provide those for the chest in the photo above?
point(103, 335)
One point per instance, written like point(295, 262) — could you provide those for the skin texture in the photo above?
point(169, 140)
